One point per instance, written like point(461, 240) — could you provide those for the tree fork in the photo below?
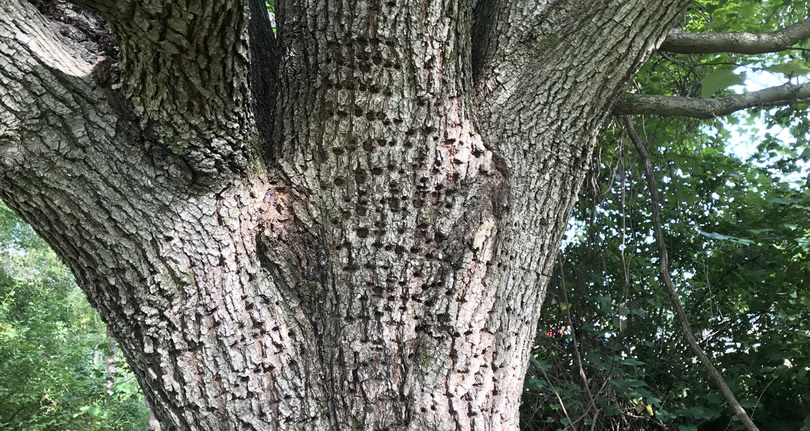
point(384, 264)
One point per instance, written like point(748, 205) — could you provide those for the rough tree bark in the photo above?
point(348, 227)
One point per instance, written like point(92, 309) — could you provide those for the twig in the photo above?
point(670, 288)
point(562, 405)
point(577, 356)
point(754, 410)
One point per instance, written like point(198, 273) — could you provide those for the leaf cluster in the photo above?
point(53, 346)
point(609, 353)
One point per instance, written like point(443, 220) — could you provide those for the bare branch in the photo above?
point(663, 265)
point(709, 108)
point(683, 42)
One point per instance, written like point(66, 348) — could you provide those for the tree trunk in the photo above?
point(375, 254)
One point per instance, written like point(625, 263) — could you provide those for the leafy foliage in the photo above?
point(738, 236)
point(53, 346)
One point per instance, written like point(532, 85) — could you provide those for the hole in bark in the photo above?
point(362, 232)
point(368, 146)
point(376, 171)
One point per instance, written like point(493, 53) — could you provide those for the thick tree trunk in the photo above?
point(374, 260)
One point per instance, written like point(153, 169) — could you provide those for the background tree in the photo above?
point(351, 225)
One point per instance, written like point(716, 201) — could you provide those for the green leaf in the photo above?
point(793, 68)
point(631, 362)
point(534, 384)
point(719, 80)
point(611, 410)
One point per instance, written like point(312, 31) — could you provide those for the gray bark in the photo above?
point(738, 42)
point(378, 257)
point(710, 108)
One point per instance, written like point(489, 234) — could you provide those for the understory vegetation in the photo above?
point(735, 200)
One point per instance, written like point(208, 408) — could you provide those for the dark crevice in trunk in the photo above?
point(82, 30)
point(264, 74)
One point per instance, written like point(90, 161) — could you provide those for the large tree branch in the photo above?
point(710, 108)
point(56, 118)
point(38, 72)
point(185, 68)
point(683, 42)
